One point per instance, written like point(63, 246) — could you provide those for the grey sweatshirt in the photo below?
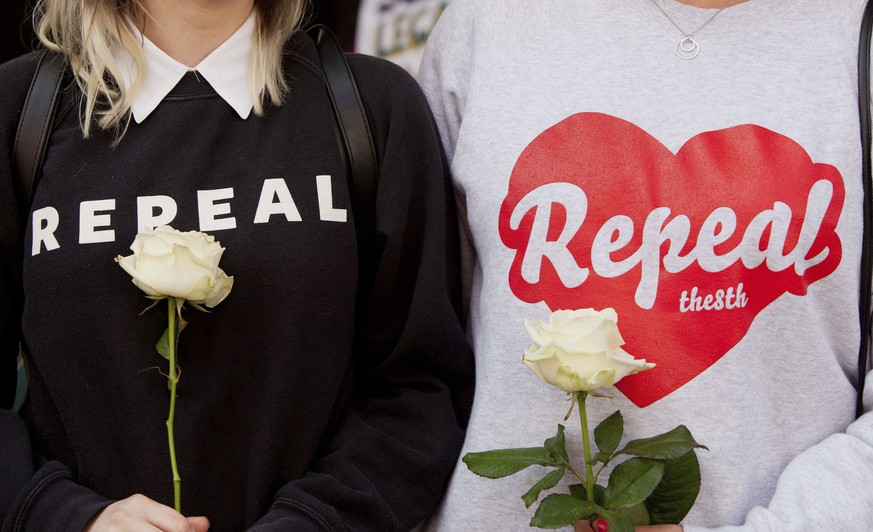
point(715, 203)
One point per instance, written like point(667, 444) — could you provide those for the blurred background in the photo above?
point(394, 29)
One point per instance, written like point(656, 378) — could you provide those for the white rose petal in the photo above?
point(580, 350)
point(129, 265)
point(220, 290)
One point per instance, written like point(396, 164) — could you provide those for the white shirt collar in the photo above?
point(226, 69)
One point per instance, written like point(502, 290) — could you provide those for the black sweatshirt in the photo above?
point(280, 423)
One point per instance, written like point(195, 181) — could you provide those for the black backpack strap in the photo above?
point(35, 125)
point(31, 140)
point(867, 177)
point(353, 131)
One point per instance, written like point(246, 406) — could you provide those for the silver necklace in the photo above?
point(687, 47)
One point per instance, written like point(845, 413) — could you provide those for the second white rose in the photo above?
point(580, 350)
point(169, 263)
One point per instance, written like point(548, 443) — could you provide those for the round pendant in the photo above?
point(686, 48)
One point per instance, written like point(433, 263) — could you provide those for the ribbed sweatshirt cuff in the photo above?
point(52, 501)
point(290, 514)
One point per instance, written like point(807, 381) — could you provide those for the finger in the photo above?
point(138, 513)
point(130, 525)
point(162, 517)
point(168, 520)
point(200, 524)
point(583, 526)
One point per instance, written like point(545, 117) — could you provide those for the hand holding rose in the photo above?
point(139, 512)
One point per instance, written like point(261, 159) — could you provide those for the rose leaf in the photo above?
point(578, 491)
point(665, 446)
point(547, 482)
point(638, 514)
point(675, 494)
point(505, 462)
point(163, 345)
point(601, 457)
point(556, 447)
point(608, 433)
point(632, 481)
point(559, 510)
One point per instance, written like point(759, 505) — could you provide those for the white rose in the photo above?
point(580, 350)
point(170, 263)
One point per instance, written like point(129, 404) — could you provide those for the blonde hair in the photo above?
point(87, 31)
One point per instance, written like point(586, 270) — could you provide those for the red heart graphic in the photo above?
point(688, 248)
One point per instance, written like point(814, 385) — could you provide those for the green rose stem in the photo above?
point(586, 445)
point(174, 380)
